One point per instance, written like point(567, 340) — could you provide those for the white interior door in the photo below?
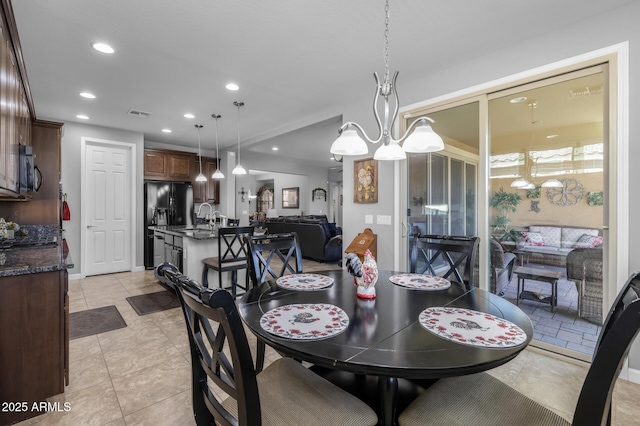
point(107, 198)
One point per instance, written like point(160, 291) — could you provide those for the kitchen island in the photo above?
point(34, 313)
point(186, 247)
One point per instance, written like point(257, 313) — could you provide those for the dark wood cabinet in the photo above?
point(209, 191)
point(15, 115)
point(168, 165)
point(34, 339)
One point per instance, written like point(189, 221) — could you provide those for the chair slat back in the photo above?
point(451, 257)
point(267, 248)
point(232, 245)
point(618, 333)
point(209, 362)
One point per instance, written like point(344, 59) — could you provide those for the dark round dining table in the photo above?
point(384, 337)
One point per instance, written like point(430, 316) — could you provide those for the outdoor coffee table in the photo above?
point(537, 274)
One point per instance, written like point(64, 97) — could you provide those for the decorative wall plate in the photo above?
point(570, 194)
point(420, 281)
point(472, 328)
point(304, 282)
point(305, 321)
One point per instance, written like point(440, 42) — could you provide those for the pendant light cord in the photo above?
point(386, 42)
point(198, 126)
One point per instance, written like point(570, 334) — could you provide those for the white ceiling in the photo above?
point(297, 62)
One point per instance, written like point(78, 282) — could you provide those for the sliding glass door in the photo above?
point(442, 186)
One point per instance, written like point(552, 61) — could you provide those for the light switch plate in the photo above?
point(383, 219)
point(244, 212)
point(368, 219)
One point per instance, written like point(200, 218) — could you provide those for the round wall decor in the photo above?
point(570, 193)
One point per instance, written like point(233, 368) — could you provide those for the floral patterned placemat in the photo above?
point(472, 328)
point(420, 281)
point(304, 282)
point(305, 321)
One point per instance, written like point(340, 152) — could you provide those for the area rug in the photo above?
point(95, 321)
point(153, 302)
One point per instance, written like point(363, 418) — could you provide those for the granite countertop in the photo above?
point(200, 232)
point(41, 250)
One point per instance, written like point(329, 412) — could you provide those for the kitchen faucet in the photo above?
point(209, 216)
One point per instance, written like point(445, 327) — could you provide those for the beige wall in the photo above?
point(580, 214)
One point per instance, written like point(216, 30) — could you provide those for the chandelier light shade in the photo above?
point(419, 137)
point(239, 170)
point(552, 183)
point(519, 183)
point(200, 177)
point(217, 174)
point(423, 139)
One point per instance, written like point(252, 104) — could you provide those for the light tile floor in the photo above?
point(140, 375)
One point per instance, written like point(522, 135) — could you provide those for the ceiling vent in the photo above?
point(138, 113)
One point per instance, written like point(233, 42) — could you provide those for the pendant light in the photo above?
point(239, 170)
point(217, 174)
point(521, 182)
point(419, 137)
point(200, 177)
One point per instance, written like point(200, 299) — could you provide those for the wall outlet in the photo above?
point(244, 212)
point(383, 219)
point(368, 219)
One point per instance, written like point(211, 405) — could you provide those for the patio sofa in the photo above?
point(550, 244)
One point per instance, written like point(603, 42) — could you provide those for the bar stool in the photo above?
point(233, 253)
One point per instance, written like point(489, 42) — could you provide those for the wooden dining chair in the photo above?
point(451, 257)
point(233, 255)
point(471, 400)
point(285, 393)
point(273, 255)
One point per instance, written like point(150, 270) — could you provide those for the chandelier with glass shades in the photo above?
point(521, 182)
point(419, 137)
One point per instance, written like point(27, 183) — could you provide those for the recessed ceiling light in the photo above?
point(552, 136)
point(188, 115)
point(166, 130)
point(275, 148)
point(102, 47)
point(232, 86)
point(82, 117)
point(88, 95)
point(518, 100)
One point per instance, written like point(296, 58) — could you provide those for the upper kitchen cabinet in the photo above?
point(15, 115)
point(167, 165)
point(209, 191)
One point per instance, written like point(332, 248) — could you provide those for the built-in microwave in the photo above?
point(29, 174)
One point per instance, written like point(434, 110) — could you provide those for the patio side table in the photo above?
point(537, 274)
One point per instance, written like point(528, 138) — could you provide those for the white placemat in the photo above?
point(304, 282)
point(472, 328)
point(420, 281)
point(305, 321)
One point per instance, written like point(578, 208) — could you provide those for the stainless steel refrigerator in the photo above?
point(166, 203)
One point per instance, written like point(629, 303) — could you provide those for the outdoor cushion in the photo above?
point(551, 235)
point(533, 239)
point(571, 236)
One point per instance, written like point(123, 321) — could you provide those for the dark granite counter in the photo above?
point(201, 232)
point(41, 250)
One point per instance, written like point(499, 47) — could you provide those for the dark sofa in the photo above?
point(320, 240)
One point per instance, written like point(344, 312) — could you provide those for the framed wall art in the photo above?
point(290, 199)
point(365, 181)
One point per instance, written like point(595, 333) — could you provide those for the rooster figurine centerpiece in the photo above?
point(365, 274)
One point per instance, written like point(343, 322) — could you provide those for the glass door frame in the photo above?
point(616, 129)
point(482, 181)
